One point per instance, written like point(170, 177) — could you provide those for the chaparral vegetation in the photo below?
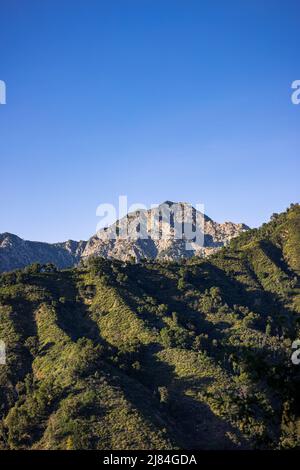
point(157, 354)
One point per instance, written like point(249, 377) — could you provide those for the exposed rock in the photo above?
point(152, 234)
point(146, 234)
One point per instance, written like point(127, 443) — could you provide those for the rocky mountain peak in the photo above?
point(153, 234)
point(142, 234)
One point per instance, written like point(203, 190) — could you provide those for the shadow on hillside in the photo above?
point(72, 315)
point(189, 421)
point(275, 254)
point(262, 302)
point(200, 426)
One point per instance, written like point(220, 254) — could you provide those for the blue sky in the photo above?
point(156, 99)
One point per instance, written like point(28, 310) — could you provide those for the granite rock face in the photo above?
point(159, 234)
point(171, 231)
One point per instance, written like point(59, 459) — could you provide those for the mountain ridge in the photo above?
point(17, 253)
point(186, 354)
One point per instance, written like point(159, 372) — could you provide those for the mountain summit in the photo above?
point(119, 355)
point(162, 233)
point(143, 234)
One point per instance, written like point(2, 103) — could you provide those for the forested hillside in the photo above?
point(191, 354)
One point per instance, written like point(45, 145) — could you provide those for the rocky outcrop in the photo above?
point(157, 234)
point(153, 234)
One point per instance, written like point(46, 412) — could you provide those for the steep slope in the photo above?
point(16, 253)
point(157, 234)
point(190, 354)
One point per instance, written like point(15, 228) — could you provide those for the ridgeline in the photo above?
point(157, 354)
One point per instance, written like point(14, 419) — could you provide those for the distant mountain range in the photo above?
point(17, 253)
point(192, 354)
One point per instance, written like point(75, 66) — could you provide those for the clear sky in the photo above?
point(185, 100)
